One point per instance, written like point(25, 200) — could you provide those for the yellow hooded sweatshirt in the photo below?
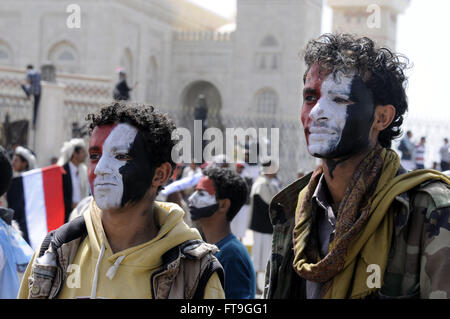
point(125, 274)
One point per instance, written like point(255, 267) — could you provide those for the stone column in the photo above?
point(49, 134)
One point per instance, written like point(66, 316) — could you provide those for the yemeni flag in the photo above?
point(37, 199)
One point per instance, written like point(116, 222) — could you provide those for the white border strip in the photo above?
point(35, 210)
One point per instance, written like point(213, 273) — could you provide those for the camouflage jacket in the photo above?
point(419, 258)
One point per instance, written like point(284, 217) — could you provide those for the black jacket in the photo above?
point(67, 191)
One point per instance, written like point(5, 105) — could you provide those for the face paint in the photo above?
point(119, 171)
point(98, 137)
point(203, 203)
point(337, 114)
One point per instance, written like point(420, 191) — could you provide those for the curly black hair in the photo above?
point(156, 127)
point(228, 184)
point(381, 70)
point(5, 171)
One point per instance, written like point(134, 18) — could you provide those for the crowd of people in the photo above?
point(244, 187)
point(413, 154)
point(133, 216)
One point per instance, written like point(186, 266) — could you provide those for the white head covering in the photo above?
point(27, 155)
point(269, 165)
point(221, 159)
point(68, 148)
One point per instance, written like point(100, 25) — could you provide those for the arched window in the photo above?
point(266, 102)
point(267, 106)
point(65, 57)
point(267, 57)
point(269, 41)
point(5, 54)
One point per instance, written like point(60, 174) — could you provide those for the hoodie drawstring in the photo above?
point(94, 284)
point(112, 270)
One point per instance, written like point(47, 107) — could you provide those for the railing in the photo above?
point(13, 100)
point(203, 36)
point(293, 154)
point(82, 95)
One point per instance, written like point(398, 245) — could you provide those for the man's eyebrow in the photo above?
point(121, 147)
point(309, 91)
point(338, 92)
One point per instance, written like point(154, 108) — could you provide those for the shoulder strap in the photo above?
point(213, 266)
point(64, 234)
point(46, 243)
point(198, 249)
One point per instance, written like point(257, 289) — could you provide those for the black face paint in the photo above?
point(137, 173)
point(360, 116)
point(331, 164)
point(204, 212)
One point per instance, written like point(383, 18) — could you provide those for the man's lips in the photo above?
point(104, 184)
point(321, 131)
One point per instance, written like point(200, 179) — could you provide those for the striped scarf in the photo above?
point(364, 226)
point(352, 215)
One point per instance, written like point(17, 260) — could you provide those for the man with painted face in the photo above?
point(359, 226)
point(217, 199)
point(125, 244)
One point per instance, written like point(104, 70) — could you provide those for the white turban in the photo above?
point(27, 155)
point(68, 148)
point(269, 165)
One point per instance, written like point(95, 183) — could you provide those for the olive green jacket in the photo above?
point(419, 258)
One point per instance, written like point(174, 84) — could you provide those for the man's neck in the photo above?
point(338, 176)
point(215, 232)
point(74, 162)
point(130, 226)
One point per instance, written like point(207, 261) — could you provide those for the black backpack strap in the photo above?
point(46, 243)
point(69, 231)
point(213, 266)
point(64, 234)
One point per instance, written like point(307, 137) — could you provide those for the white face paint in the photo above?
point(329, 115)
point(108, 183)
point(201, 198)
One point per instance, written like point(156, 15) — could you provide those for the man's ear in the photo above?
point(224, 205)
point(384, 115)
point(162, 175)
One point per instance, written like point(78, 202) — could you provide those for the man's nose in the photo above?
point(318, 112)
point(102, 167)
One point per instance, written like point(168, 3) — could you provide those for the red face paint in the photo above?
point(98, 137)
point(311, 94)
point(206, 184)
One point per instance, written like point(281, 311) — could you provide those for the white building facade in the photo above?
point(249, 70)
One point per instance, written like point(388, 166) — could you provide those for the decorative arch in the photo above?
point(268, 54)
point(6, 55)
point(190, 100)
point(64, 55)
point(269, 41)
point(266, 101)
point(266, 106)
